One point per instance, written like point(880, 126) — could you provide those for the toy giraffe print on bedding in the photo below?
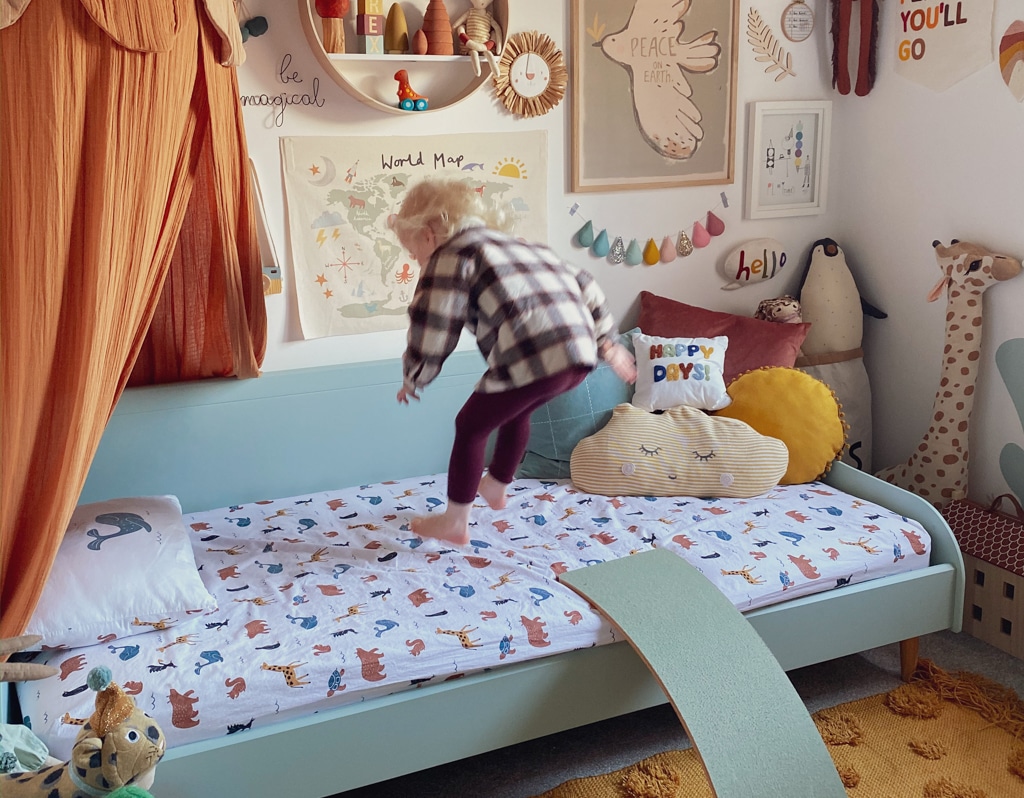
point(937, 470)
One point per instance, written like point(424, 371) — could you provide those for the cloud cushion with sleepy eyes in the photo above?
point(681, 452)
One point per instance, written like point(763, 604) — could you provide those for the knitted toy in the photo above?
point(20, 749)
point(22, 671)
point(937, 468)
point(842, 12)
point(831, 352)
point(479, 33)
point(783, 309)
point(118, 748)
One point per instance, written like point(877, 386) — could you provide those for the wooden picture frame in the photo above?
point(634, 126)
point(788, 154)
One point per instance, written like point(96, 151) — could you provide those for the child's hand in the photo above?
point(622, 362)
point(404, 395)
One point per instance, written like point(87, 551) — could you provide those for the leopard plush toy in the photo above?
point(784, 309)
point(118, 746)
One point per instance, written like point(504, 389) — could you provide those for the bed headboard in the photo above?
point(219, 442)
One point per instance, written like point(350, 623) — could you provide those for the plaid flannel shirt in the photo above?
point(533, 314)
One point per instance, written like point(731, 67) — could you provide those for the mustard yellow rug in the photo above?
point(943, 735)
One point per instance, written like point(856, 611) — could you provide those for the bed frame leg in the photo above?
point(908, 657)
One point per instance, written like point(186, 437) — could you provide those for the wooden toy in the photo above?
point(408, 100)
point(992, 544)
point(437, 27)
point(396, 31)
point(370, 27)
point(419, 44)
point(332, 14)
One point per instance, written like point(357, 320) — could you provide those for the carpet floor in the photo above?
point(531, 768)
point(944, 735)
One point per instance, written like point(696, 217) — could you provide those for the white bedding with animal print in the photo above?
point(330, 598)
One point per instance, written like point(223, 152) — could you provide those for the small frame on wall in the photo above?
point(788, 158)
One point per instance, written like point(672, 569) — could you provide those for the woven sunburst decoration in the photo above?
point(531, 77)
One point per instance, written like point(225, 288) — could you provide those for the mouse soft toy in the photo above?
point(118, 747)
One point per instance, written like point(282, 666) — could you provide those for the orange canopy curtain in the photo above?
point(210, 320)
point(109, 109)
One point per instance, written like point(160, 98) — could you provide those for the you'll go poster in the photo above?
point(941, 42)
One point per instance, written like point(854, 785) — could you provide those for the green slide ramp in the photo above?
point(747, 723)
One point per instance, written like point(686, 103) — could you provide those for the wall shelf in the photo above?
point(445, 80)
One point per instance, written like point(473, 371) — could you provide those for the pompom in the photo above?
point(257, 26)
point(99, 678)
point(130, 791)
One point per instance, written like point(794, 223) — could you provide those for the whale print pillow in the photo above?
point(125, 566)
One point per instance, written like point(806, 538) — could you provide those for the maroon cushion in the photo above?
point(752, 343)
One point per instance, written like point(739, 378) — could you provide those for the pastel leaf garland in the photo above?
point(668, 250)
point(634, 255)
point(650, 253)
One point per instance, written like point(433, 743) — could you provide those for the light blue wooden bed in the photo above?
point(340, 425)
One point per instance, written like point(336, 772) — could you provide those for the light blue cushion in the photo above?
point(556, 428)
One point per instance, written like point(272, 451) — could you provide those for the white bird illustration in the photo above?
point(651, 49)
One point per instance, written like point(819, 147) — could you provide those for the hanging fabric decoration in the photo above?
point(651, 253)
point(618, 251)
point(842, 12)
point(634, 255)
point(1011, 59)
point(668, 250)
point(585, 236)
point(715, 226)
point(939, 44)
point(701, 238)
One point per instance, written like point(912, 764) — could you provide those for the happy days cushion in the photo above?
point(680, 371)
point(752, 343)
point(124, 567)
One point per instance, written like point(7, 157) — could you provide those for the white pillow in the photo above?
point(680, 371)
point(125, 567)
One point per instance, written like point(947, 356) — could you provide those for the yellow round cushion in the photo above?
point(796, 408)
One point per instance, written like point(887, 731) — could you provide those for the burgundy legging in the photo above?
point(508, 412)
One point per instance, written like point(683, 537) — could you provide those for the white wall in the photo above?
point(914, 166)
point(908, 166)
point(635, 214)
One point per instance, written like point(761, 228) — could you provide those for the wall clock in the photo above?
point(531, 77)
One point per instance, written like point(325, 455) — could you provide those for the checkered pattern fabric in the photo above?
point(533, 314)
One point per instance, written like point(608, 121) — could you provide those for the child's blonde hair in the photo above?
point(444, 205)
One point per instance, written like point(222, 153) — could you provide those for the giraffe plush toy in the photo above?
point(937, 470)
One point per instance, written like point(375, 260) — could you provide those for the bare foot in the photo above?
point(452, 527)
point(492, 491)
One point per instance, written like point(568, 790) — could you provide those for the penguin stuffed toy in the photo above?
point(831, 302)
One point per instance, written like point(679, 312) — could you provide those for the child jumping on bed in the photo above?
point(539, 322)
